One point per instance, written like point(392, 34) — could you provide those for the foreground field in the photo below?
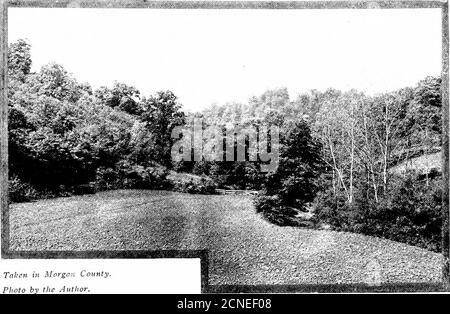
point(243, 248)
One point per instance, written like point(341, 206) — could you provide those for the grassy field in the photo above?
point(243, 248)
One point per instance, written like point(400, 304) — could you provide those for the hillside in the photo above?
point(422, 164)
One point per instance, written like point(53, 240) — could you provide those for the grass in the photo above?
point(243, 247)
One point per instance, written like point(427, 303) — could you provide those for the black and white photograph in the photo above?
point(297, 146)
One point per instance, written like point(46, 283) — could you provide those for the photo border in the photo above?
point(6, 253)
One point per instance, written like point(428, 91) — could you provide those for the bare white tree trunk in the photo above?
point(352, 154)
point(335, 165)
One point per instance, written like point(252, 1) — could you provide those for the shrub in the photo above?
point(240, 175)
point(201, 168)
point(126, 175)
point(332, 209)
point(272, 208)
point(202, 186)
point(106, 179)
point(20, 191)
point(410, 213)
point(415, 213)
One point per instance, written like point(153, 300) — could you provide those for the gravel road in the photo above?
point(243, 248)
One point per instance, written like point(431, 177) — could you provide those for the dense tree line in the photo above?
point(63, 134)
point(339, 152)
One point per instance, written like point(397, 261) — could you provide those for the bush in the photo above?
point(332, 209)
point(20, 191)
point(239, 175)
point(106, 179)
point(272, 208)
point(203, 186)
point(410, 213)
point(126, 175)
point(415, 213)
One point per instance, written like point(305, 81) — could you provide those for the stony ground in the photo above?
point(243, 248)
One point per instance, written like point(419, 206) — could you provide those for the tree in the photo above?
point(390, 128)
point(121, 96)
point(161, 114)
point(337, 125)
point(300, 164)
point(53, 80)
point(424, 116)
point(309, 104)
point(19, 60)
point(424, 112)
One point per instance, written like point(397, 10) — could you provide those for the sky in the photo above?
point(219, 56)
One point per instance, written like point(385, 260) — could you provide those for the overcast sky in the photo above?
point(207, 56)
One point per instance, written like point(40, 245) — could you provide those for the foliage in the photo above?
point(241, 175)
point(21, 191)
point(19, 60)
point(126, 175)
point(274, 210)
point(122, 97)
point(294, 182)
point(295, 178)
point(62, 136)
point(336, 148)
point(204, 186)
point(161, 114)
point(410, 214)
